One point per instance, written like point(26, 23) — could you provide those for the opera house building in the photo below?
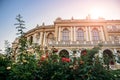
point(78, 34)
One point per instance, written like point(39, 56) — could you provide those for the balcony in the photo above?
point(84, 43)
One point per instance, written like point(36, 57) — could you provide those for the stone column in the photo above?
point(71, 33)
point(38, 38)
point(102, 34)
point(56, 32)
point(105, 33)
point(28, 40)
point(44, 39)
point(41, 37)
point(74, 33)
point(34, 38)
point(90, 37)
point(86, 33)
point(59, 37)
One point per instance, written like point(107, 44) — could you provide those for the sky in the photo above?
point(38, 11)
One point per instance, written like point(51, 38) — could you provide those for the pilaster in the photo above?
point(86, 29)
point(105, 33)
point(102, 33)
point(44, 39)
point(59, 38)
point(34, 38)
point(74, 33)
point(41, 37)
point(71, 33)
point(56, 32)
point(89, 30)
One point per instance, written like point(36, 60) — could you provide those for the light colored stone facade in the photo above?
point(78, 34)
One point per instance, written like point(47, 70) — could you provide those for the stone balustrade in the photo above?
point(84, 43)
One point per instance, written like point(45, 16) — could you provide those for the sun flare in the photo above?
point(96, 13)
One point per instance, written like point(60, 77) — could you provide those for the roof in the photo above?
point(39, 27)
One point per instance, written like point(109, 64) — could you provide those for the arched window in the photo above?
point(80, 35)
point(50, 38)
point(95, 35)
point(65, 35)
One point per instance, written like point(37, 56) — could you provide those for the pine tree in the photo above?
point(20, 25)
point(22, 44)
point(8, 49)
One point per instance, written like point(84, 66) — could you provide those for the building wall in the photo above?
point(107, 32)
point(53, 35)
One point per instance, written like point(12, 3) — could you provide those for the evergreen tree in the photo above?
point(20, 25)
point(22, 44)
point(8, 49)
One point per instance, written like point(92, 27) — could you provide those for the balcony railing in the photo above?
point(84, 43)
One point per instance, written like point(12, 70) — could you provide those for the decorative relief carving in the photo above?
point(113, 28)
point(114, 37)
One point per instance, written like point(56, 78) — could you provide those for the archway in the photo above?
point(108, 57)
point(64, 53)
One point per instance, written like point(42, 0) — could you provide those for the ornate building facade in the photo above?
point(78, 34)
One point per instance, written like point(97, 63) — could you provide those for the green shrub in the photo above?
point(24, 70)
point(5, 66)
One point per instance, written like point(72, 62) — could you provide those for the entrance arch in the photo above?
point(64, 53)
point(108, 57)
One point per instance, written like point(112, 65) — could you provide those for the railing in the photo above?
point(84, 43)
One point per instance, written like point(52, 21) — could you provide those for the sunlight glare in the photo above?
point(96, 13)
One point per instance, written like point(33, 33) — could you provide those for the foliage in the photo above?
point(23, 70)
point(116, 74)
point(50, 66)
point(8, 49)
point(86, 67)
point(22, 44)
point(5, 62)
point(118, 59)
point(20, 25)
point(5, 66)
